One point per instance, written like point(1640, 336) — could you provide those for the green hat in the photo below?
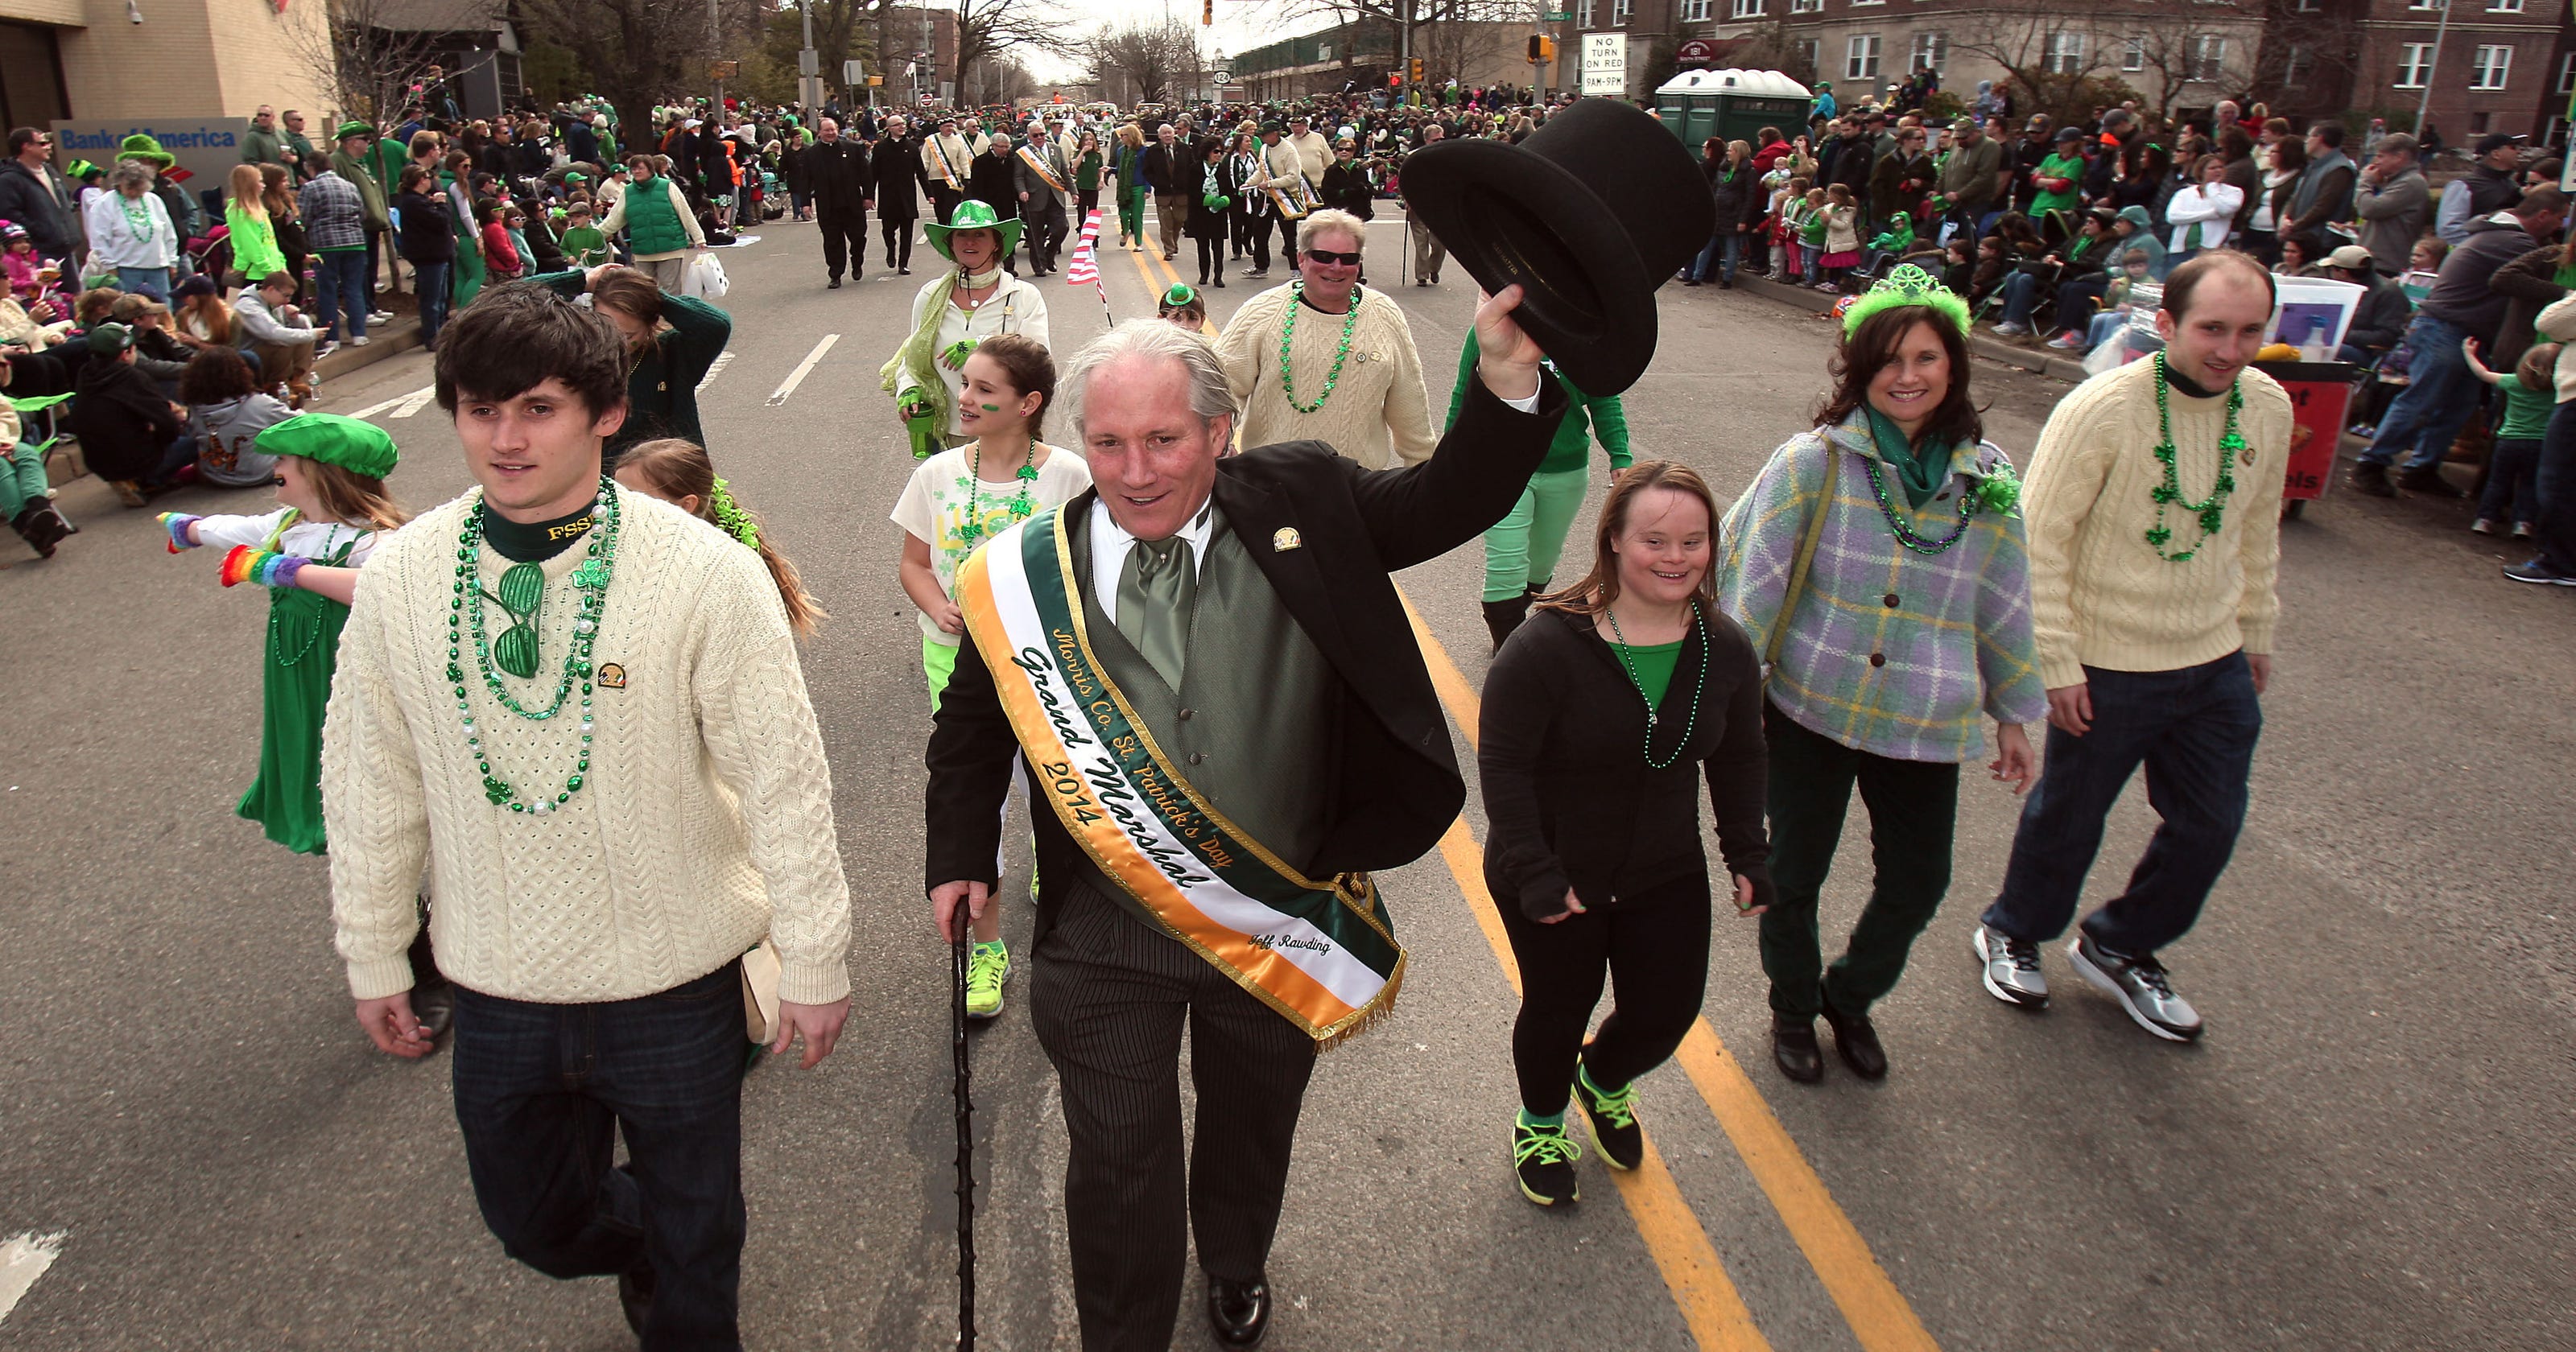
point(575, 176)
point(973, 215)
point(110, 338)
point(349, 129)
point(80, 169)
point(142, 147)
point(1181, 293)
point(353, 444)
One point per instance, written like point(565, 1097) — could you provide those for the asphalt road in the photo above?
point(2369, 1150)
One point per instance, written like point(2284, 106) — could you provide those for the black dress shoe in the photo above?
point(635, 1297)
point(1239, 1311)
point(832, 285)
point(1793, 1049)
point(2373, 479)
point(1857, 1041)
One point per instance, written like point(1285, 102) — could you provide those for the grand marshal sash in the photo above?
point(1039, 167)
point(1320, 953)
point(947, 170)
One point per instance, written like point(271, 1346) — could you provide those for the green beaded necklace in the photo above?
point(1699, 688)
point(2211, 510)
point(1288, 334)
point(1018, 505)
point(525, 582)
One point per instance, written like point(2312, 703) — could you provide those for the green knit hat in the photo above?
point(353, 444)
point(143, 147)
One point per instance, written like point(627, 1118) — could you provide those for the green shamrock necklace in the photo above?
point(1019, 505)
point(522, 592)
point(2211, 510)
point(1341, 353)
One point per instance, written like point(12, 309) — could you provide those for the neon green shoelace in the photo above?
point(985, 969)
point(1620, 1109)
point(1548, 1145)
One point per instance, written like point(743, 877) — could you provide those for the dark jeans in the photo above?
point(1723, 254)
point(1653, 945)
point(2556, 484)
point(1913, 807)
point(342, 281)
point(2439, 398)
point(2194, 730)
point(540, 1092)
point(2513, 476)
point(429, 284)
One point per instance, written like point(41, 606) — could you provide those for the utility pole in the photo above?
point(715, 58)
point(809, 63)
point(1404, 49)
point(2432, 68)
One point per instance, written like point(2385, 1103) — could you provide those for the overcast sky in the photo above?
point(1239, 24)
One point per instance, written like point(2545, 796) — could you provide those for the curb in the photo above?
point(384, 340)
point(1985, 345)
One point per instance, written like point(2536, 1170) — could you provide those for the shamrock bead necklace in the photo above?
point(1018, 505)
point(1288, 335)
point(1698, 689)
point(591, 578)
point(2211, 510)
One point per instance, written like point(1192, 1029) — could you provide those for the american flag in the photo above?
point(1085, 267)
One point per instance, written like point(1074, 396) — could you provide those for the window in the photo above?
point(2065, 53)
point(2414, 65)
point(2504, 6)
point(1620, 10)
point(1860, 58)
point(2296, 66)
point(1695, 11)
point(2304, 6)
point(2481, 123)
point(2488, 68)
point(2567, 74)
point(1748, 9)
point(1931, 51)
point(1812, 51)
point(2557, 133)
point(1858, 3)
point(1586, 14)
point(2133, 55)
point(1806, 6)
point(2208, 59)
point(2427, 4)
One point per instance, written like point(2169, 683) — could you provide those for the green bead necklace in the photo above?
point(522, 587)
point(1689, 726)
point(1905, 533)
point(1288, 334)
point(2211, 510)
point(313, 635)
point(1018, 505)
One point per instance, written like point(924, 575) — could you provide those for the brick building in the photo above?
point(2486, 66)
point(115, 58)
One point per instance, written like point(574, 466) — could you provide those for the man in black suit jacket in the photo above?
point(894, 165)
point(1110, 989)
point(836, 173)
point(1171, 169)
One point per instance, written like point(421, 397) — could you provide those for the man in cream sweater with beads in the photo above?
point(2153, 511)
point(1326, 359)
point(582, 709)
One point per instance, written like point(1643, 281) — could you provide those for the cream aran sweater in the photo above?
point(2100, 596)
point(1378, 412)
point(704, 822)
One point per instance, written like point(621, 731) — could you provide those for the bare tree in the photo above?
point(1143, 63)
point(2165, 53)
point(365, 57)
point(640, 51)
point(1772, 47)
point(2058, 63)
point(989, 28)
point(2309, 59)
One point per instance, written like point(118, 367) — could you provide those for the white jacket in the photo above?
point(2207, 210)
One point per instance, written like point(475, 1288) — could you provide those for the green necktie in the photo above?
point(1157, 588)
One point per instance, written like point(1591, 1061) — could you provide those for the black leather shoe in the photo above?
point(832, 285)
point(1239, 1311)
point(2373, 479)
point(1793, 1049)
point(635, 1297)
point(1857, 1041)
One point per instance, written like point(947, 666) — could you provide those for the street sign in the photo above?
point(1222, 78)
point(1556, 16)
point(1605, 63)
point(851, 74)
point(1696, 52)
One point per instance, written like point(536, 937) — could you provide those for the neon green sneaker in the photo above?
point(986, 969)
point(1543, 1158)
point(1612, 1120)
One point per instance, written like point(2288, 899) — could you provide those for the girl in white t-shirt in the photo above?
point(957, 500)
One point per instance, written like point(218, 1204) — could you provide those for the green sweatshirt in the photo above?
point(662, 391)
point(1573, 444)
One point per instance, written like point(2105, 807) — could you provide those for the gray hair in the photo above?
point(131, 174)
point(1211, 394)
point(1330, 221)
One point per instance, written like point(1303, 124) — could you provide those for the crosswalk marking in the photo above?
point(797, 377)
point(723, 360)
point(24, 1258)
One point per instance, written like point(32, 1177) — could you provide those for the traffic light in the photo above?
point(1415, 70)
point(1542, 49)
point(1207, 14)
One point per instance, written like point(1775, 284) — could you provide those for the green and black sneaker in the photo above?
point(1612, 1120)
point(1543, 1157)
point(986, 969)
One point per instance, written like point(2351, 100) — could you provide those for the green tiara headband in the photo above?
point(1908, 285)
point(1182, 293)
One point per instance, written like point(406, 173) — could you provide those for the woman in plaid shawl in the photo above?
point(1878, 564)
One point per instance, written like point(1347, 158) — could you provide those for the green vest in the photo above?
point(652, 226)
point(1251, 726)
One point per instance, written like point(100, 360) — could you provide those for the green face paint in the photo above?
point(992, 408)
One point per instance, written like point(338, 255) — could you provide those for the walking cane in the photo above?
point(965, 1136)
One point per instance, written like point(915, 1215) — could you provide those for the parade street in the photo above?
point(2369, 1149)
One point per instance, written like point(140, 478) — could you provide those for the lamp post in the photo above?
point(2432, 68)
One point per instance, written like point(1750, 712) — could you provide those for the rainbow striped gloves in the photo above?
point(177, 523)
point(248, 563)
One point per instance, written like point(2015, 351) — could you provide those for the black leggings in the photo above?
point(898, 241)
point(1653, 945)
point(1211, 259)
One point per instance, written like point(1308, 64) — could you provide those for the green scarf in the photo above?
point(1920, 469)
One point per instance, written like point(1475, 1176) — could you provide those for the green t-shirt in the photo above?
point(1653, 663)
point(584, 247)
point(2070, 168)
point(2526, 410)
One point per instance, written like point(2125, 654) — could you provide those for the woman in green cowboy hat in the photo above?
point(965, 305)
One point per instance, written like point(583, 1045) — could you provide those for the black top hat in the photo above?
point(1588, 215)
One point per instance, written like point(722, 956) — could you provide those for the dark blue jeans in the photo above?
point(429, 283)
point(2439, 397)
point(341, 279)
point(2194, 730)
point(540, 1090)
point(2555, 484)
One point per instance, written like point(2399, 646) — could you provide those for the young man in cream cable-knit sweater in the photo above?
point(598, 873)
point(2153, 602)
point(1375, 410)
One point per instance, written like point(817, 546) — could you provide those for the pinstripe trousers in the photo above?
point(1109, 998)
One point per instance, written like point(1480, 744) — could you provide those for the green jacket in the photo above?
point(1584, 415)
point(371, 196)
point(262, 147)
point(662, 390)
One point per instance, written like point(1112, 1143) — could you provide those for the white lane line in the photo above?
point(415, 401)
point(797, 377)
point(723, 360)
point(23, 1259)
point(372, 410)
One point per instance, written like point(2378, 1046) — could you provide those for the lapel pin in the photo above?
point(1284, 539)
point(613, 676)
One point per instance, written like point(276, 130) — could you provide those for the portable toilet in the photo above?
point(1731, 104)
